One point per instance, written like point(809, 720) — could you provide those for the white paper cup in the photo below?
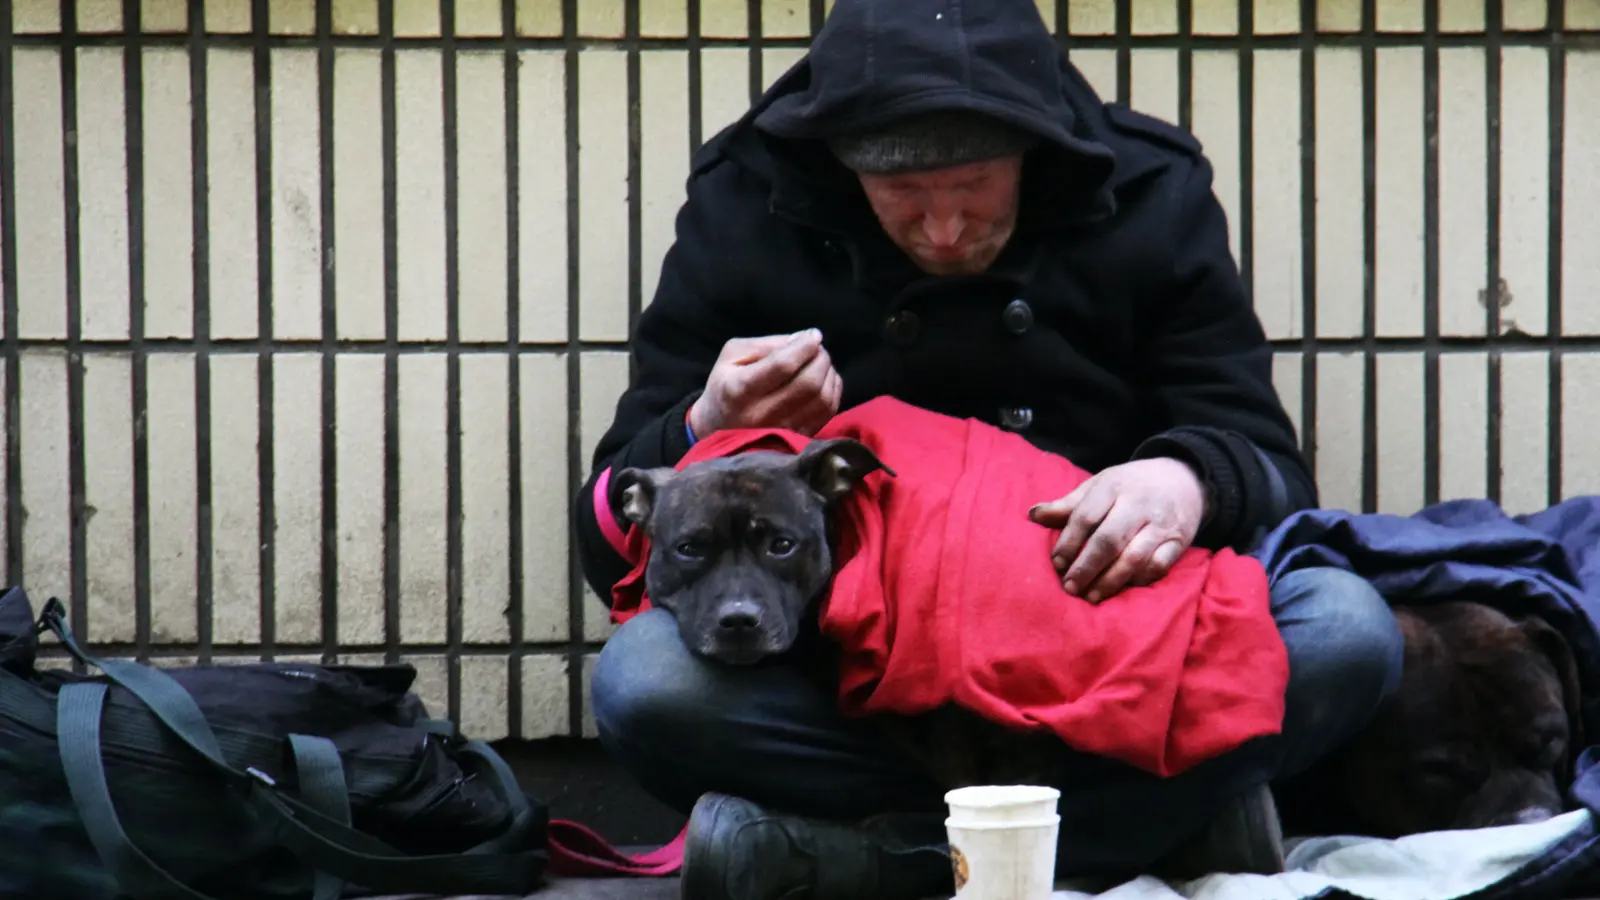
point(1003, 841)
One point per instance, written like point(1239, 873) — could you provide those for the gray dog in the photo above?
point(740, 554)
point(740, 546)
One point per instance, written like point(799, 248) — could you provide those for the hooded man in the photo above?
point(933, 204)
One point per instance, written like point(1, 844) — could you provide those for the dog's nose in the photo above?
point(738, 618)
point(1533, 814)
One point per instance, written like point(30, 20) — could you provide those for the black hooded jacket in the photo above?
point(1114, 326)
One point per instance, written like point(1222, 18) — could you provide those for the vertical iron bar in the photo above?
point(1553, 329)
point(452, 330)
point(1186, 64)
point(133, 97)
point(1308, 230)
point(330, 333)
point(8, 286)
point(199, 188)
point(1369, 253)
point(1124, 42)
point(696, 87)
point(1430, 301)
point(754, 45)
point(78, 602)
point(515, 599)
point(1492, 291)
point(636, 286)
point(1246, 225)
point(267, 453)
point(391, 340)
point(576, 465)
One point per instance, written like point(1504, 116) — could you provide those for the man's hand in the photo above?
point(1125, 526)
point(781, 381)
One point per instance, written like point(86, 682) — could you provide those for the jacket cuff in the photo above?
point(676, 436)
point(1218, 476)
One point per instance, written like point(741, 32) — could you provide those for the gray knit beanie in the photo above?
point(934, 140)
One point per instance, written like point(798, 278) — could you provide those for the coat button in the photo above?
point(902, 328)
point(1018, 316)
point(1016, 418)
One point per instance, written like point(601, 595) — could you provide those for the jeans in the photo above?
point(683, 726)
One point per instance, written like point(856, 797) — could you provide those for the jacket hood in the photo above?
point(877, 61)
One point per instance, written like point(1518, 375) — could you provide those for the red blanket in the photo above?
point(944, 593)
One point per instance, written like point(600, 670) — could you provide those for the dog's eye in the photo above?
point(781, 546)
point(691, 550)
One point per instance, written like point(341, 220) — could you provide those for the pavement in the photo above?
point(578, 889)
point(610, 889)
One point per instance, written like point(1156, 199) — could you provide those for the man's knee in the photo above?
point(645, 683)
point(1340, 633)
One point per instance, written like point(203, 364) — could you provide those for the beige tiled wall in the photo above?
point(314, 311)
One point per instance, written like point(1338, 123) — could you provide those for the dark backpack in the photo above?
point(265, 781)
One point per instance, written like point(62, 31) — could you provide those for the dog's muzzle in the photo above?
point(741, 634)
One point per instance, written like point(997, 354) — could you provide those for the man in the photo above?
point(934, 204)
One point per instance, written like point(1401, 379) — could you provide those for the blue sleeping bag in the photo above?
point(1546, 563)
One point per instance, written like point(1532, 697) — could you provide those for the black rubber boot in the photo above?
point(735, 850)
point(1245, 838)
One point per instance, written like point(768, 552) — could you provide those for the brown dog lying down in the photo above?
point(1483, 731)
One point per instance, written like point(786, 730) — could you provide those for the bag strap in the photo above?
point(78, 710)
point(78, 717)
point(303, 826)
point(320, 775)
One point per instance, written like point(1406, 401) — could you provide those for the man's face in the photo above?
point(951, 221)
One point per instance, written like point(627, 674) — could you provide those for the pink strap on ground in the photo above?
point(608, 522)
point(577, 852)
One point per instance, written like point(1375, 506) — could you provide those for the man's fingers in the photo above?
point(809, 418)
point(1085, 517)
point(1054, 513)
point(822, 408)
point(743, 351)
point(1162, 560)
point(781, 366)
point(1134, 561)
point(1102, 549)
point(793, 402)
point(832, 391)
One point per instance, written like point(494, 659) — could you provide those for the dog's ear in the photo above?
point(1555, 647)
point(636, 490)
point(834, 467)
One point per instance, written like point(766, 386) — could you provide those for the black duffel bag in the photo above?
point(266, 781)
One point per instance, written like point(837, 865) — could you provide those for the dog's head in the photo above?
point(739, 545)
point(1483, 731)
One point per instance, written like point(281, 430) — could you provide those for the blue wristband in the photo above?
point(688, 431)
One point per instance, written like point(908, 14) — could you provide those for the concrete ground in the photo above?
point(611, 889)
point(582, 889)
point(578, 783)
